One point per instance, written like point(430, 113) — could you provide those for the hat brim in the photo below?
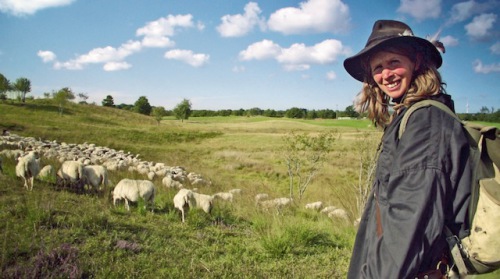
point(353, 64)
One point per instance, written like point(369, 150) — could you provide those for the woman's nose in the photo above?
point(386, 72)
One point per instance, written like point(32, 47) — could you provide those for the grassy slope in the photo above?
point(49, 232)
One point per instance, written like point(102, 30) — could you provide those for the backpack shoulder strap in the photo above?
point(422, 104)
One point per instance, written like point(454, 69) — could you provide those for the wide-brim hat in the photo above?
point(386, 33)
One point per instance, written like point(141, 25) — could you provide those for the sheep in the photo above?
point(278, 202)
point(47, 173)
point(328, 209)
point(95, 176)
point(338, 213)
point(28, 167)
point(131, 190)
point(314, 205)
point(226, 196)
point(181, 201)
point(260, 197)
point(169, 182)
point(71, 174)
point(205, 202)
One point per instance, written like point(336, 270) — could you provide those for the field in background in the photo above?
point(49, 232)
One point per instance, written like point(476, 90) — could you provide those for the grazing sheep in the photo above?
point(70, 174)
point(338, 213)
point(47, 173)
point(181, 201)
point(328, 209)
point(205, 202)
point(28, 167)
point(131, 190)
point(226, 196)
point(95, 176)
point(169, 182)
point(260, 197)
point(315, 205)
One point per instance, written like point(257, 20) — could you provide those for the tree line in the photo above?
point(182, 111)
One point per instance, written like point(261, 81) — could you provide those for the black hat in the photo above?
point(385, 33)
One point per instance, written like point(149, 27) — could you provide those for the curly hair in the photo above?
point(426, 82)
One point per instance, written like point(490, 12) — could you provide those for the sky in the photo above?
point(232, 54)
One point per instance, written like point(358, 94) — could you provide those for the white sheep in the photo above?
point(47, 173)
point(260, 197)
point(169, 182)
point(71, 174)
point(28, 167)
point(328, 209)
point(315, 205)
point(277, 202)
point(205, 202)
point(131, 190)
point(181, 201)
point(95, 176)
point(338, 213)
point(235, 191)
point(226, 196)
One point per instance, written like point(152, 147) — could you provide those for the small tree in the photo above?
point(304, 155)
point(108, 101)
point(158, 113)
point(142, 106)
point(4, 84)
point(62, 97)
point(23, 85)
point(83, 97)
point(183, 110)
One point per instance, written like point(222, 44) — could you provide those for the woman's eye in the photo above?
point(394, 62)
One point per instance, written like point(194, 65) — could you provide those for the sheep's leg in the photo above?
point(32, 179)
point(182, 212)
point(126, 205)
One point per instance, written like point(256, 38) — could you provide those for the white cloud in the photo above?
point(29, 7)
point(264, 49)
point(421, 9)
point(479, 27)
point(449, 41)
point(46, 55)
point(331, 75)
point(297, 56)
point(479, 67)
point(156, 33)
point(116, 66)
point(312, 16)
point(187, 56)
point(495, 49)
point(465, 10)
point(240, 24)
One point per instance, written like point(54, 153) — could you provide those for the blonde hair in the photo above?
point(426, 82)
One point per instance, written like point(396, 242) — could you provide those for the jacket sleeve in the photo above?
point(413, 199)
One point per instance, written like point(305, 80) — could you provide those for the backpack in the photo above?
point(478, 251)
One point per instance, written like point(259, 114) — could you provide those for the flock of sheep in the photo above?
point(84, 167)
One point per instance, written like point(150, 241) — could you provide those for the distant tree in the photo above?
point(46, 95)
point(296, 113)
point(183, 110)
point(350, 112)
point(83, 97)
point(62, 97)
point(239, 112)
point(484, 110)
point(142, 106)
point(23, 85)
point(4, 84)
point(108, 101)
point(158, 113)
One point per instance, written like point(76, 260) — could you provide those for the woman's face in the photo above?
point(392, 72)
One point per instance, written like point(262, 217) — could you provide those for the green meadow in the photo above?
point(51, 233)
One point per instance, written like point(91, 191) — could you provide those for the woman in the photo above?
point(422, 178)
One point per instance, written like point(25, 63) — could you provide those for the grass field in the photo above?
point(58, 234)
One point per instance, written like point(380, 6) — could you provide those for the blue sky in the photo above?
point(232, 54)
